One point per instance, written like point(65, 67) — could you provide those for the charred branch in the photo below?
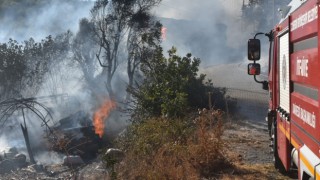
point(11, 106)
point(26, 138)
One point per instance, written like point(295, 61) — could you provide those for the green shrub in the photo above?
point(171, 87)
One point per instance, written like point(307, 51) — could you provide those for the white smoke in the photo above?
point(3, 144)
point(214, 31)
point(49, 157)
point(209, 25)
point(49, 17)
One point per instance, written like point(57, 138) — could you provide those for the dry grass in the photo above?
point(253, 172)
point(207, 148)
point(180, 149)
point(175, 149)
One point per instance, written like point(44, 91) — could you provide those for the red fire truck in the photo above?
point(293, 84)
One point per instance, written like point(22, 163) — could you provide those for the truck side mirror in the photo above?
point(254, 69)
point(254, 49)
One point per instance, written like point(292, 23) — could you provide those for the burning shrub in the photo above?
point(173, 148)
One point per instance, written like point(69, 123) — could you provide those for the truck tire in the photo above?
point(276, 159)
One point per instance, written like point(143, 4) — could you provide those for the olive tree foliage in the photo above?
point(112, 20)
point(171, 86)
point(23, 65)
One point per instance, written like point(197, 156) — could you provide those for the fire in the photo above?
point(100, 116)
point(164, 33)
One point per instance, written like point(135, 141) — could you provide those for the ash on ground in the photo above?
point(73, 155)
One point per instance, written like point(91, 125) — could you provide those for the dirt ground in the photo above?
point(248, 148)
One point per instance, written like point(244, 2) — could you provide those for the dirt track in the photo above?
point(247, 140)
point(248, 149)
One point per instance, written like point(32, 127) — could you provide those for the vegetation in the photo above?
point(110, 22)
point(171, 87)
point(173, 148)
point(23, 66)
point(96, 39)
point(167, 138)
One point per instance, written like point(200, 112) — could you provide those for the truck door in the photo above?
point(283, 123)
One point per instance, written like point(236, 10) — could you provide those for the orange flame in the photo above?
point(164, 33)
point(100, 116)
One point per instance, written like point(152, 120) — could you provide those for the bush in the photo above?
point(173, 149)
point(171, 87)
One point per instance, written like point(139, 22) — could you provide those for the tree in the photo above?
point(12, 68)
point(111, 21)
point(23, 66)
point(166, 87)
point(84, 48)
point(57, 55)
point(171, 87)
point(141, 44)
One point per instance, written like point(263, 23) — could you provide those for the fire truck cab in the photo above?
point(293, 84)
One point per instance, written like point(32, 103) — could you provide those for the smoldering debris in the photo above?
point(73, 161)
point(11, 160)
point(94, 170)
point(78, 146)
point(76, 136)
point(69, 142)
point(15, 165)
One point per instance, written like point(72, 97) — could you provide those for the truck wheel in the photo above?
point(277, 162)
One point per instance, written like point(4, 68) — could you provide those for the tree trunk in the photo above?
point(26, 139)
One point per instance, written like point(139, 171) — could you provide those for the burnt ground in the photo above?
point(247, 148)
point(92, 171)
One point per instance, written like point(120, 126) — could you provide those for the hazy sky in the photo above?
point(190, 9)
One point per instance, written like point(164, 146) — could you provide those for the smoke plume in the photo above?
point(214, 31)
point(39, 19)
